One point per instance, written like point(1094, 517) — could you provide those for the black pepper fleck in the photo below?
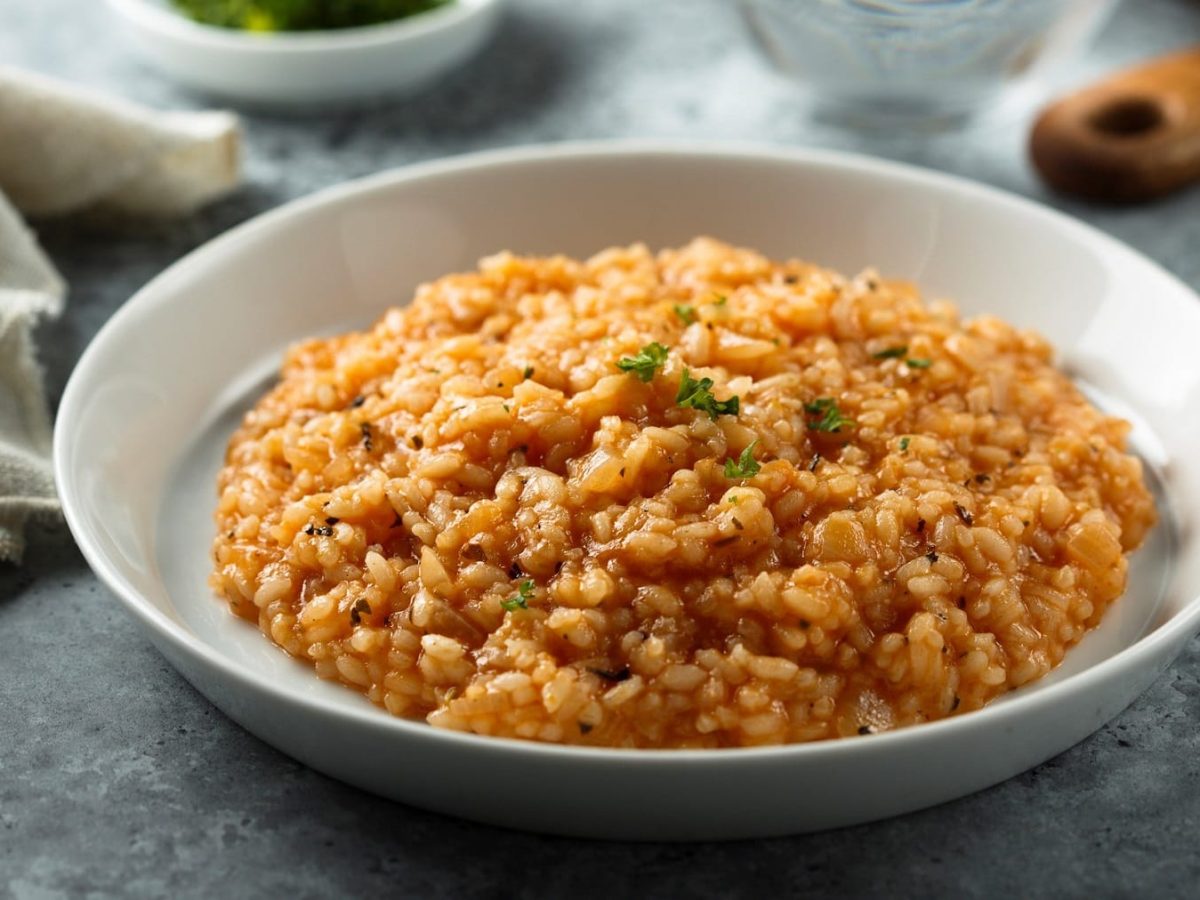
point(361, 608)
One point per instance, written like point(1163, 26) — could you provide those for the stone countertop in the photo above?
point(116, 777)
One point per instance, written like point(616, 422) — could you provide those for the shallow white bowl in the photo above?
point(147, 412)
point(315, 68)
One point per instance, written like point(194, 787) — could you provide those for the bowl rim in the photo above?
point(1180, 626)
point(157, 17)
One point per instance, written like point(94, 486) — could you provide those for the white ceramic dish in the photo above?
point(316, 68)
point(145, 417)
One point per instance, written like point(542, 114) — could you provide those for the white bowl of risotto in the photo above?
point(699, 492)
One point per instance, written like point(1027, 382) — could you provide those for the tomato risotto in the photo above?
point(692, 499)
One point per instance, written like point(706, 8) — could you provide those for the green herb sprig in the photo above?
point(900, 352)
point(686, 312)
point(648, 361)
point(697, 394)
point(520, 600)
point(745, 466)
point(829, 417)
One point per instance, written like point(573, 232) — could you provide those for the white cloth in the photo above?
point(63, 150)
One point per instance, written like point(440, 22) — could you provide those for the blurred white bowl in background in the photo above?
point(897, 62)
point(310, 68)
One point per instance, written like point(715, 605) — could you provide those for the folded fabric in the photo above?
point(66, 150)
point(29, 287)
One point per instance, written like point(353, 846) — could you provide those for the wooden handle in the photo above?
point(1132, 137)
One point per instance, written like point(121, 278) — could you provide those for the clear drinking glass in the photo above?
point(888, 62)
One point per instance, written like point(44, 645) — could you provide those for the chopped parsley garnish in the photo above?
point(830, 418)
point(904, 441)
point(520, 600)
point(686, 312)
point(745, 466)
point(528, 373)
point(919, 363)
point(721, 300)
point(649, 360)
point(695, 394)
point(891, 352)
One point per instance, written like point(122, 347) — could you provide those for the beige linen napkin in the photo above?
point(63, 150)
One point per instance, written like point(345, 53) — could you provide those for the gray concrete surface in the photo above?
point(116, 778)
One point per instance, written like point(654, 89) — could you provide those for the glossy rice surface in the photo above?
point(472, 515)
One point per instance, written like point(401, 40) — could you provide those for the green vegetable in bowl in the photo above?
point(301, 15)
